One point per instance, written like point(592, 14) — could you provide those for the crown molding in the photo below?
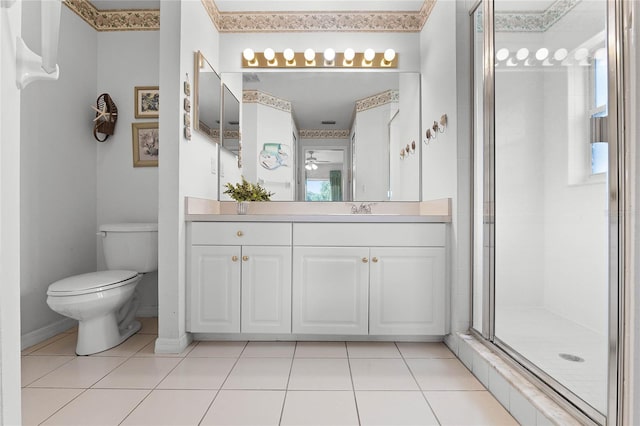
point(377, 100)
point(324, 133)
point(258, 97)
point(243, 22)
point(115, 20)
point(526, 21)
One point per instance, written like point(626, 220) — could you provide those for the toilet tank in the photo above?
point(130, 246)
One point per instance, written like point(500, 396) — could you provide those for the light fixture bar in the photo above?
point(299, 61)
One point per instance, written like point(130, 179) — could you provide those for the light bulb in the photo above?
point(389, 55)
point(560, 54)
point(309, 55)
point(329, 55)
point(600, 54)
point(349, 54)
point(314, 166)
point(308, 166)
point(502, 54)
point(369, 54)
point(288, 54)
point(269, 54)
point(248, 54)
point(542, 54)
point(581, 54)
point(522, 54)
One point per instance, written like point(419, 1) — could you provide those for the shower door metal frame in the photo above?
point(619, 219)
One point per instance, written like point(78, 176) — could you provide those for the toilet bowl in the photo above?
point(105, 302)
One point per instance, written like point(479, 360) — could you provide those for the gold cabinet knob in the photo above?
point(245, 258)
point(234, 258)
point(239, 233)
point(374, 260)
point(365, 260)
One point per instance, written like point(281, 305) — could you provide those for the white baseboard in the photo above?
point(172, 346)
point(42, 334)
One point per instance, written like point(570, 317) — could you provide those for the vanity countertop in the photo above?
point(434, 211)
point(319, 218)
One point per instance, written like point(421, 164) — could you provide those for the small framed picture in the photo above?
point(145, 144)
point(147, 101)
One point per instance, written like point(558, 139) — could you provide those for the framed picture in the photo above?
point(147, 101)
point(145, 144)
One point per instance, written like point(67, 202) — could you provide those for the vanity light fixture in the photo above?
point(369, 55)
point(289, 56)
point(329, 58)
point(250, 57)
point(347, 58)
point(270, 56)
point(388, 57)
point(310, 57)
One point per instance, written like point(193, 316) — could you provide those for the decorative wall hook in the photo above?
point(438, 127)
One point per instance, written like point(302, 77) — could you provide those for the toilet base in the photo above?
point(99, 334)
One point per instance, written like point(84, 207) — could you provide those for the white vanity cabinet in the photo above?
point(331, 290)
point(239, 278)
point(378, 279)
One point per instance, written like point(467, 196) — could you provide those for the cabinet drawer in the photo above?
point(240, 233)
point(369, 234)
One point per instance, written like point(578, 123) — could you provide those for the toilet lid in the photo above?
point(93, 281)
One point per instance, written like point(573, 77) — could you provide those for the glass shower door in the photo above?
point(551, 191)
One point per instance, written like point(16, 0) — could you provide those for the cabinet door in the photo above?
point(407, 291)
point(330, 290)
point(214, 282)
point(266, 289)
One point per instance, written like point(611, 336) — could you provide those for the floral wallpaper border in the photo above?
point(377, 100)
point(324, 133)
point(242, 22)
point(534, 21)
point(115, 20)
point(258, 97)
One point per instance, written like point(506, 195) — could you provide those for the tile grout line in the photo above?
point(286, 389)
point(353, 386)
point(418, 383)
point(223, 382)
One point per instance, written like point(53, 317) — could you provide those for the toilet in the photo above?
point(105, 302)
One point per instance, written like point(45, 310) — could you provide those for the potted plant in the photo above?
point(246, 191)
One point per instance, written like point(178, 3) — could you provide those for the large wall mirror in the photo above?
point(206, 98)
point(332, 136)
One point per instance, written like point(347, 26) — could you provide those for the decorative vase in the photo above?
point(242, 207)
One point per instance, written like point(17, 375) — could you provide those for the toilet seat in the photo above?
point(92, 282)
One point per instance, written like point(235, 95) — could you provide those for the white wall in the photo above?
point(371, 152)
point(438, 47)
point(58, 169)
point(126, 193)
point(271, 125)
point(10, 28)
point(185, 166)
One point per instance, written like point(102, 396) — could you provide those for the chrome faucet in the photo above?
point(361, 209)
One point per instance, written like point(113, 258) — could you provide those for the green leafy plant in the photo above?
point(247, 191)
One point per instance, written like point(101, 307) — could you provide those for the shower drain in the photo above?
point(570, 357)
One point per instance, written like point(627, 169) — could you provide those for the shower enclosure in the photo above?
point(545, 178)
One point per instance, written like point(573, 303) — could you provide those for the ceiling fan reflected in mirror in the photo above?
point(310, 163)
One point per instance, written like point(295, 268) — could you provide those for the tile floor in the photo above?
point(254, 383)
